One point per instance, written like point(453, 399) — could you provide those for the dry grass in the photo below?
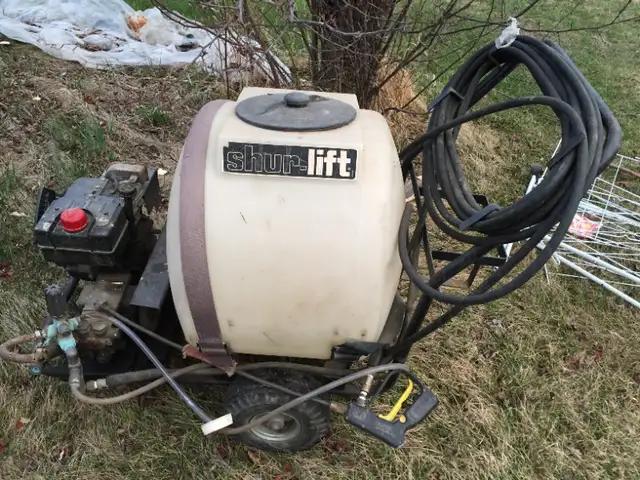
point(543, 384)
point(480, 147)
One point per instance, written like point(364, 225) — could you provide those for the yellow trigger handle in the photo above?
point(390, 417)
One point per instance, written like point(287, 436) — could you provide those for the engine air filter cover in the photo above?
point(295, 112)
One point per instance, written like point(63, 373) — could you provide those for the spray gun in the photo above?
point(392, 427)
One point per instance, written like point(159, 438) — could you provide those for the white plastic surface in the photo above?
point(104, 33)
point(298, 265)
point(217, 424)
point(509, 34)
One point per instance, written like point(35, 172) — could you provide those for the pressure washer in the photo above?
point(298, 262)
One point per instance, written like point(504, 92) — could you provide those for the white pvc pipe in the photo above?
point(598, 280)
point(533, 183)
point(601, 263)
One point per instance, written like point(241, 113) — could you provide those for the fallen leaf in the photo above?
point(574, 362)
point(18, 214)
point(64, 453)
point(253, 456)
point(5, 270)
point(3, 447)
point(598, 354)
point(287, 473)
point(223, 451)
point(335, 445)
point(21, 423)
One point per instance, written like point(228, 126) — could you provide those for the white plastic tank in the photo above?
point(300, 227)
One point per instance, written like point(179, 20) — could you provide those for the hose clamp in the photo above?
point(509, 34)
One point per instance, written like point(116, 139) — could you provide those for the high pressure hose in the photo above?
point(390, 367)
point(8, 353)
point(170, 377)
point(158, 364)
point(79, 395)
point(591, 137)
point(119, 379)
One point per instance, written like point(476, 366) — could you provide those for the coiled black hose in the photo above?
point(591, 137)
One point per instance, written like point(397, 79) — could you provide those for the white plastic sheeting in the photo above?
point(107, 33)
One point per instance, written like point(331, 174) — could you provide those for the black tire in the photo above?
point(297, 429)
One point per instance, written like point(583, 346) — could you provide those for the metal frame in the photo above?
point(611, 256)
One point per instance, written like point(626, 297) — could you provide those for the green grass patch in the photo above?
point(82, 136)
point(10, 181)
point(153, 115)
point(78, 145)
point(10, 186)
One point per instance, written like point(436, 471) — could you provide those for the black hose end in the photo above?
point(537, 170)
point(56, 300)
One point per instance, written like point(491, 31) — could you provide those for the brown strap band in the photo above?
point(193, 248)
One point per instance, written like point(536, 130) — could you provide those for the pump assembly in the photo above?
point(294, 268)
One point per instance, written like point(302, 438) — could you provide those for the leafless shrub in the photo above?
point(359, 46)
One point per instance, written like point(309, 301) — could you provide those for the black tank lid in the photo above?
point(295, 112)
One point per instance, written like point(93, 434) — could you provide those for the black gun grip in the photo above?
point(392, 433)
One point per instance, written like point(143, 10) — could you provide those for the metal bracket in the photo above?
point(215, 356)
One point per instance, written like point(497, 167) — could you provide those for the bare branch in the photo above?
point(344, 45)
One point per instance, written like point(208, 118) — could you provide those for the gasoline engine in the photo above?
point(297, 264)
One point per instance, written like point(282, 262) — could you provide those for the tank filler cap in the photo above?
point(74, 220)
point(295, 112)
point(297, 99)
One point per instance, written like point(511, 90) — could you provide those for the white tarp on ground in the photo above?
point(107, 33)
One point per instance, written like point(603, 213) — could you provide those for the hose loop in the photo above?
point(8, 353)
point(591, 137)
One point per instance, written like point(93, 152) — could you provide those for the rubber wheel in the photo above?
point(297, 429)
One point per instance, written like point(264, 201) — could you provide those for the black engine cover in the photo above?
point(117, 226)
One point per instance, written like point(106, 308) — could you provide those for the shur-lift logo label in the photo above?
point(289, 160)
